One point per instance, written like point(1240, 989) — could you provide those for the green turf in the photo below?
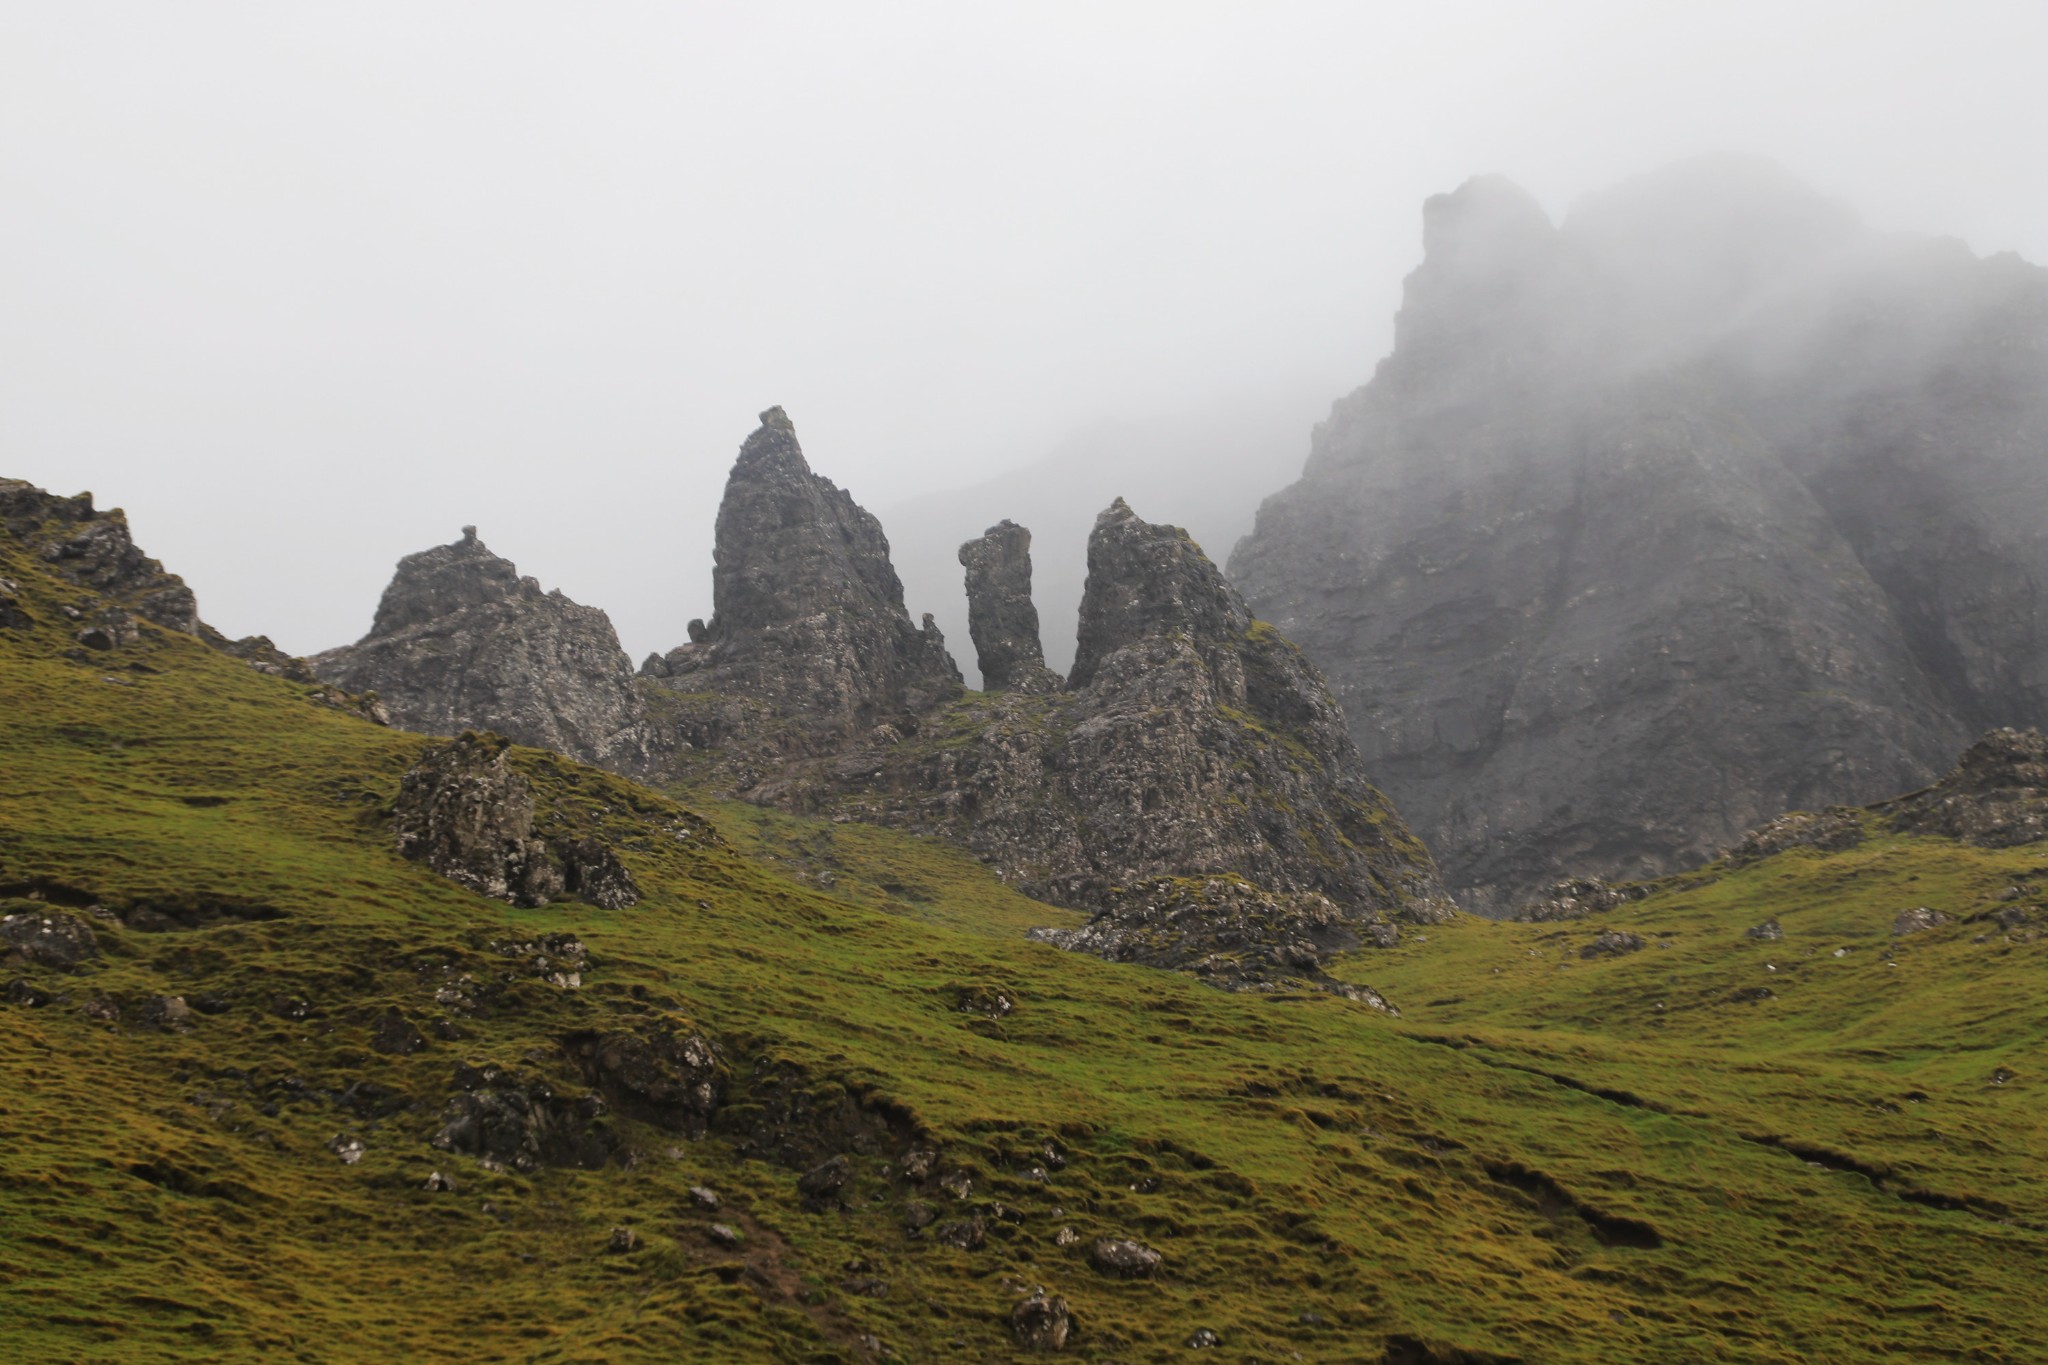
point(1544, 1158)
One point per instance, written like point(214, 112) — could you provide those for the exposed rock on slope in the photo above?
point(93, 549)
point(462, 641)
point(466, 814)
point(1703, 506)
point(808, 623)
point(1997, 796)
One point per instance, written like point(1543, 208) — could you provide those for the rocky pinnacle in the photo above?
point(1000, 615)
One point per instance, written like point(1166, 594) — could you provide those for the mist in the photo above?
point(306, 288)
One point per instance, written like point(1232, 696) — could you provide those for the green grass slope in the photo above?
point(1546, 1158)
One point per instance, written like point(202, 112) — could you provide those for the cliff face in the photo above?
point(461, 642)
point(1703, 506)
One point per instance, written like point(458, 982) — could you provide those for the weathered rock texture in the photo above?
point(462, 641)
point(467, 814)
point(808, 625)
point(93, 550)
point(1705, 505)
point(1000, 615)
point(1996, 796)
point(1192, 743)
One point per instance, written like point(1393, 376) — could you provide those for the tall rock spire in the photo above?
point(1000, 614)
point(808, 611)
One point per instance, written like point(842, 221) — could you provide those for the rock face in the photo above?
point(808, 623)
point(93, 549)
point(1997, 796)
point(1705, 505)
point(1191, 740)
point(1000, 614)
point(462, 641)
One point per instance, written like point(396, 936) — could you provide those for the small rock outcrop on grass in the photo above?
point(1577, 898)
point(522, 1123)
point(1123, 1259)
point(40, 938)
point(1041, 1322)
point(1996, 796)
point(462, 641)
point(464, 812)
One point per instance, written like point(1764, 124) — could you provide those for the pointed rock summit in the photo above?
point(461, 641)
point(1000, 613)
point(808, 617)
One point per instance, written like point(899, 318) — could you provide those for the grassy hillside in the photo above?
point(1545, 1158)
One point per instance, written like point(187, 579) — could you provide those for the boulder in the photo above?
point(1041, 1322)
point(1123, 1259)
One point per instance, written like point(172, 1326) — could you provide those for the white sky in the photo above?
point(307, 287)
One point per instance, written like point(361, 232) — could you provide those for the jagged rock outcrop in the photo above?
point(808, 628)
point(93, 549)
point(1000, 614)
point(1704, 505)
point(1193, 742)
point(1996, 796)
point(462, 641)
point(466, 813)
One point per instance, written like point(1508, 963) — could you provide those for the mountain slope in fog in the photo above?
point(1704, 504)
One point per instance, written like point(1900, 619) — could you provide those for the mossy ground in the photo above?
point(1546, 1158)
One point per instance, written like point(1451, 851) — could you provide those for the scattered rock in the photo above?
point(440, 1183)
point(622, 1240)
point(917, 1164)
point(1768, 931)
point(918, 1215)
point(704, 1197)
point(55, 940)
point(1613, 943)
point(1382, 935)
point(866, 1286)
point(167, 1013)
point(821, 1185)
point(964, 1234)
point(671, 1079)
point(1123, 1259)
point(1578, 897)
point(1202, 1339)
point(1041, 1322)
point(394, 1035)
point(1066, 1237)
point(1917, 920)
point(522, 1124)
point(957, 1183)
point(724, 1234)
point(22, 991)
point(347, 1148)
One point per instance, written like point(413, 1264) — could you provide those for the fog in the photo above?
point(308, 287)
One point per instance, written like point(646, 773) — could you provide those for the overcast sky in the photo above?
point(307, 287)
